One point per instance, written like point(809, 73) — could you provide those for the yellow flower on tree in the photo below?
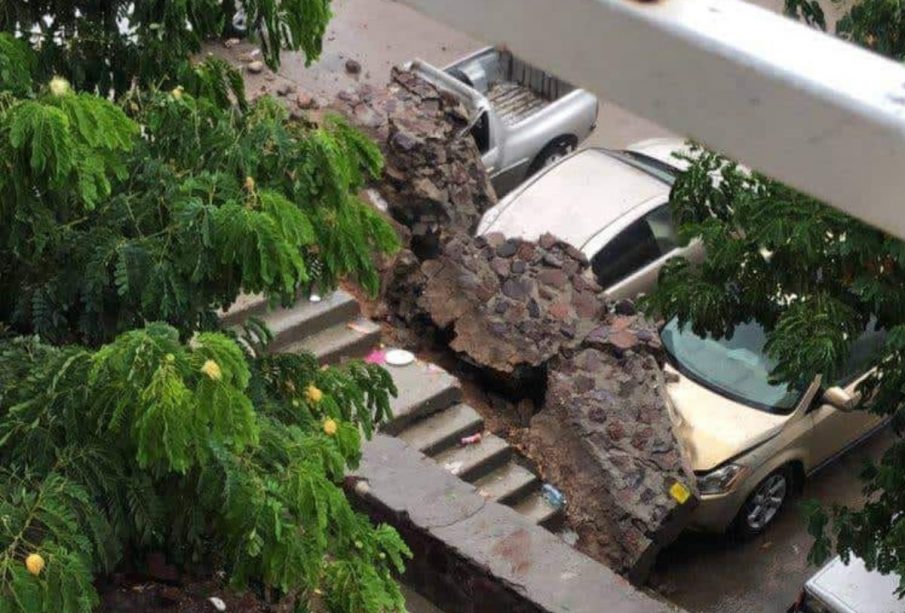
point(212, 370)
point(59, 86)
point(313, 394)
point(329, 427)
point(34, 563)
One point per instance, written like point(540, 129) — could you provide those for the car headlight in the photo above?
point(720, 480)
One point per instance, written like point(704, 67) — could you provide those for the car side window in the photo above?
point(639, 244)
point(660, 222)
point(480, 132)
point(862, 351)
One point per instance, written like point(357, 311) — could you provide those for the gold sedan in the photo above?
point(752, 442)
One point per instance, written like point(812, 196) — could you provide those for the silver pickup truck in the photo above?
point(521, 118)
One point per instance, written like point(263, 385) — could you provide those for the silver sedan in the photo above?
point(611, 205)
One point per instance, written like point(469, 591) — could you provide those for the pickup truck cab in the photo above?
point(521, 118)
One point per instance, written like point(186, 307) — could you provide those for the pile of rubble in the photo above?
point(530, 311)
point(512, 305)
point(434, 181)
point(608, 441)
point(603, 434)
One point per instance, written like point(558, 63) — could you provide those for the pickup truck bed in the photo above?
point(514, 101)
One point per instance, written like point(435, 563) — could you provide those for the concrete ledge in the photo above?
point(473, 555)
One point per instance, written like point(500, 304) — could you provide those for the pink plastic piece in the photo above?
point(378, 356)
point(471, 440)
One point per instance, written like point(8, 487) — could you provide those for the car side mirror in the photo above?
point(839, 399)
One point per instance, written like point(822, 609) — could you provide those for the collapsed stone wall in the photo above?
point(434, 180)
point(608, 439)
point(512, 305)
point(520, 310)
point(603, 434)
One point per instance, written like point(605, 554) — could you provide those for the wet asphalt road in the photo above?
point(699, 572)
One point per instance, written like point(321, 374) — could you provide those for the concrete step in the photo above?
point(244, 307)
point(507, 484)
point(304, 318)
point(499, 558)
point(471, 462)
point(354, 339)
point(424, 389)
point(307, 318)
point(442, 429)
point(536, 509)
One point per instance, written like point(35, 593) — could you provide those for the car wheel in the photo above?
point(764, 504)
point(552, 153)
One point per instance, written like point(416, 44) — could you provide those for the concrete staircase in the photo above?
point(430, 417)
point(427, 414)
point(331, 329)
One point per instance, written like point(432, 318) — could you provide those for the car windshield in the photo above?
point(736, 367)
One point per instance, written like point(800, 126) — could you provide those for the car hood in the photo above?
point(712, 427)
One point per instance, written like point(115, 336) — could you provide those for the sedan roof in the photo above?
point(577, 198)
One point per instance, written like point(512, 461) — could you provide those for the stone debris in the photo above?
point(604, 434)
point(434, 180)
point(306, 102)
point(512, 304)
point(229, 43)
point(353, 67)
point(528, 312)
point(607, 436)
point(255, 67)
point(284, 89)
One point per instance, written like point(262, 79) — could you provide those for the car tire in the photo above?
point(764, 504)
point(552, 153)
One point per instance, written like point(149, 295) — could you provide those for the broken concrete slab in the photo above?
point(476, 555)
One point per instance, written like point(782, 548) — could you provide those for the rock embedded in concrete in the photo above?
point(520, 310)
point(604, 433)
point(434, 180)
point(608, 441)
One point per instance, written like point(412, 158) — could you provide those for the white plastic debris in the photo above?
point(218, 603)
point(362, 488)
point(453, 467)
point(399, 357)
point(377, 200)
